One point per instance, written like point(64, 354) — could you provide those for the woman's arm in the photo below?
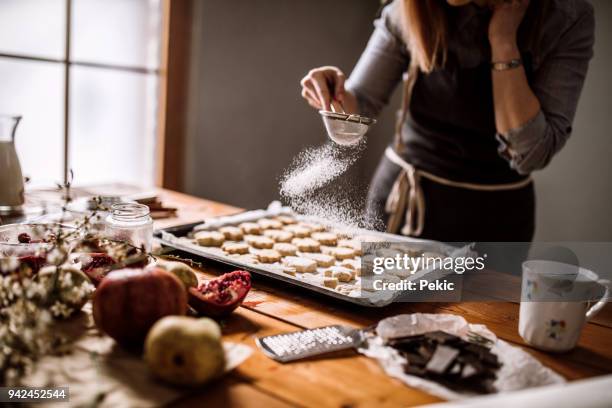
point(534, 121)
point(373, 79)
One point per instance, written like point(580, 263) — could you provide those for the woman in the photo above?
point(490, 92)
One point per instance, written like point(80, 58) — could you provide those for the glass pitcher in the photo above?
point(11, 178)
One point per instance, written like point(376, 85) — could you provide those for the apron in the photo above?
point(446, 181)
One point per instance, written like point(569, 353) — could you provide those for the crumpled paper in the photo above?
point(519, 371)
point(100, 373)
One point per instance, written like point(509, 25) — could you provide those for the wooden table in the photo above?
point(348, 379)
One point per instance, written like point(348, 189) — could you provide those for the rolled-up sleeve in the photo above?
point(557, 84)
point(381, 65)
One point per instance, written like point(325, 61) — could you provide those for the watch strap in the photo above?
point(506, 65)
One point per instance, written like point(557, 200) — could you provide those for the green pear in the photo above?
point(185, 350)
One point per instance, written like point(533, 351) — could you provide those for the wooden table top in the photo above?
point(347, 379)
point(350, 379)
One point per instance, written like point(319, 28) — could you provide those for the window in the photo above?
point(84, 74)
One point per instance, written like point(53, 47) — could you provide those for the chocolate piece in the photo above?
point(441, 359)
point(465, 366)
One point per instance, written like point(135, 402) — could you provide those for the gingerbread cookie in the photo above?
point(285, 249)
point(330, 282)
point(302, 265)
point(236, 248)
point(259, 242)
point(306, 244)
point(231, 233)
point(339, 272)
point(268, 256)
point(278, 235)
point(298, 230)
point(351, 243)
point(339, 253)
point(267, 223)
point(209, 238)
point(312, 226)
point(354, 264)
point(325, 238)
point(286, 220)
point(322, 260)
point(250, 228)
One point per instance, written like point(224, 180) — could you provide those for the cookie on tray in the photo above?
point(306, 244)
point(278, 235)
point(302, 265)
point(330, 282)
point(235, 248)
point(231, 233)
point(259, 242)
point(313, 227)
point(286, 219)
point(209, 238)
point(285, 249)
point(340, 253)
point(354, 264)
point(351, 243)
point(325, 238)
point(250, 228)
point(339, 272)
point(268, 256)
point(298, 230)
point(267, 223)
point(322, 260)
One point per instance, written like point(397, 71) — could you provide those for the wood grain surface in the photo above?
point(350, 379)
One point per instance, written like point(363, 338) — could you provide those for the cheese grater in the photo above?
point(310, 343)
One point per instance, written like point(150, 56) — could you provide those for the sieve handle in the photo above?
point(334, 109)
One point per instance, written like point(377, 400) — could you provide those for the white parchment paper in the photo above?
point(519, 370)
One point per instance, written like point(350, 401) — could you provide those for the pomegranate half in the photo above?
point(220, 296)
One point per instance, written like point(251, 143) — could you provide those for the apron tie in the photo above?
point(406, 201)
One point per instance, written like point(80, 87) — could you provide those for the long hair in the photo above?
point(425, 29)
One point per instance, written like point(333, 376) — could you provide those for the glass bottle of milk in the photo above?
point(11, 178)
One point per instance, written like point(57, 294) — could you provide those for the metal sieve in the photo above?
point(344, 128)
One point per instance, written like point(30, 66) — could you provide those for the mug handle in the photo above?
point(593, 310)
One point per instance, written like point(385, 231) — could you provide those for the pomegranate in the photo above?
point(34, 262)
point(129, 301)
point(220, 296)
point(96, 266)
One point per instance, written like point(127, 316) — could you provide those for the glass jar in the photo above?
point(130, 222)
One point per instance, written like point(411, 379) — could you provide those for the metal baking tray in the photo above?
point(174, 237)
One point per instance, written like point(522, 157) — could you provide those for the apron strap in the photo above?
point(407, 201)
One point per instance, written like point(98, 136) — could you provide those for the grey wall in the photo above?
point(575, 191)
point(247, 119)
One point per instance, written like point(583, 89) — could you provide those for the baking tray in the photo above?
point(174, 237)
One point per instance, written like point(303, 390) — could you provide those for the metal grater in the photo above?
point(309, 343)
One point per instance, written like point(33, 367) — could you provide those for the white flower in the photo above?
point(9, 264)
point(60, 309)
point(56, 256)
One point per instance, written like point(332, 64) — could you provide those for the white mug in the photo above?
point(554, 303)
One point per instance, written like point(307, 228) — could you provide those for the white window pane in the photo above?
point(35, 90)
point(122, 32)
point(33, 27)
point(112, 126)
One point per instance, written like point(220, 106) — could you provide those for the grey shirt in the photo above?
point(450, 129)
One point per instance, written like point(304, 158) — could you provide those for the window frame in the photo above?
point(67, 62)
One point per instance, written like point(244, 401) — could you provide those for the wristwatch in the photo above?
point(504, 66)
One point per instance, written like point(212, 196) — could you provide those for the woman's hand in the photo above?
point(323, 86)
point(503, 27)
